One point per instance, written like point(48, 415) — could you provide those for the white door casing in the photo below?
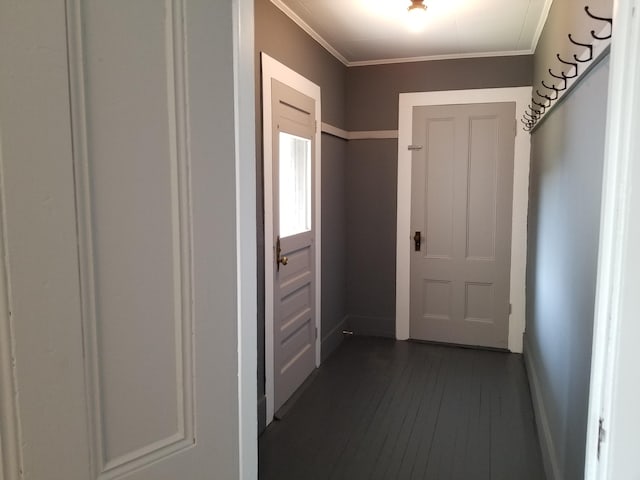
point(521, 97)
point(119, 227)
point(272, 69)
point(612, 453)
point(462, 180)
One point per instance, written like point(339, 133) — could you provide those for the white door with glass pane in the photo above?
point(294, 325)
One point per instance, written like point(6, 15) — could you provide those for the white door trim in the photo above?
point(245, 124)
point(272, 69)
point(521, 96)
point(614, 390)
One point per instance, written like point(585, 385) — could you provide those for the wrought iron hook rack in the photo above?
point(570, 70)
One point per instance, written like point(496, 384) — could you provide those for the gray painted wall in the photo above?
point(283, 40)
point(372, 171)
point(372, 104)
point(564, 219)
point(334, 242)
point(372, 91)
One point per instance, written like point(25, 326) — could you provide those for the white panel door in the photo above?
point(462, 183)
point(119, 229)
point(294, 323)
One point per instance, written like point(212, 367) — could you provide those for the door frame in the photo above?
point(521, 96)
point(614, 389)
point(246, 241)
point(272, 69)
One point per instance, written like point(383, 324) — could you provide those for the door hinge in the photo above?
point(515, 128)
point(414, 147)
point(601, 434)
point(510, 308)
point(316, 333)
point(316, 127)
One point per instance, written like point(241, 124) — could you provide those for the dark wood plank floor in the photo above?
point(381, 409)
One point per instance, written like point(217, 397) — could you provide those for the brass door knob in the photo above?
point(280, 259)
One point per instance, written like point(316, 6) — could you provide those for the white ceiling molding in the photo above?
point(386, 61)
point(312, 33)
point(541, 24)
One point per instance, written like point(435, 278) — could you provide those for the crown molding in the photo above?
point(428, 58)
point(541, 23)
point(310, 31)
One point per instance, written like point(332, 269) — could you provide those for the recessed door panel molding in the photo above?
point(439, 190)
point(436, 299)
point(478, 302)
point(482, 184)
point(294, 304)
point(294, 346)
point(133, 201)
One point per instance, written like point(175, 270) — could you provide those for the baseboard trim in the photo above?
point(547, 447)
point(372, 326)
point(333, 339)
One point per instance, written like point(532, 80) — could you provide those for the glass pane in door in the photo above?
point(295, 184)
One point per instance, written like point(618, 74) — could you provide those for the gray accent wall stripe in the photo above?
point(372, 91)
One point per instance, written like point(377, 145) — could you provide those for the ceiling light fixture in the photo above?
point(417, 11)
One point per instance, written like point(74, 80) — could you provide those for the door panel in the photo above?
point(482, 176)
point(120, 227)
point(439, 175)
point(136, 227)
point(294, 278)
point(462, 182)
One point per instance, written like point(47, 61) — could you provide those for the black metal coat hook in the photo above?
point(574, 65)
point(553, 87)
point(536, 112)
point(530, 117)
point(562, 76)
point(586, 45)
point(527, 124)
point(547, 96)
point(543, 107)
point(602, 19)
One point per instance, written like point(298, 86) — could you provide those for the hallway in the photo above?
point(383, 409)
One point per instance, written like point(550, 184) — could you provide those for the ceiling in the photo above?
point(365, 32)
